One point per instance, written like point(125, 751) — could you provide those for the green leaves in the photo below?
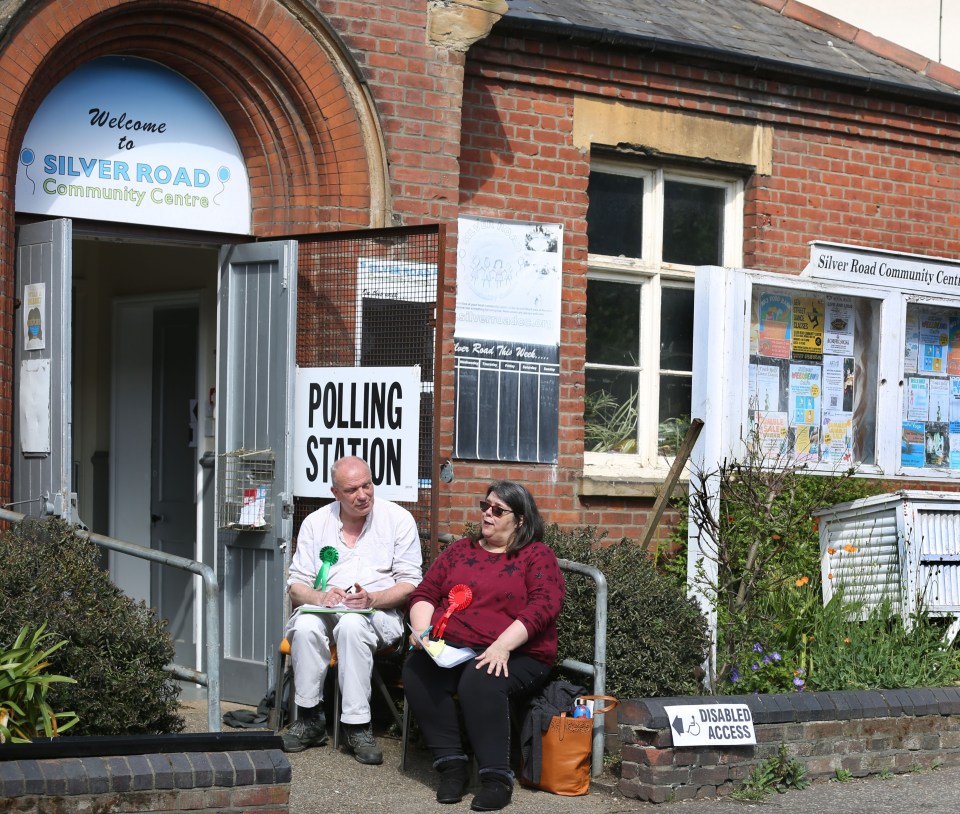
point(24, 685)
point(117, 648)
point(879, 652)
point(656, 635)
point(761, 537)
point(776, 774)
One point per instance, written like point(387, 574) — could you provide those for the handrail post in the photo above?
point(599, 666)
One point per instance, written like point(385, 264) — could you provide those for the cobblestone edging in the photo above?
point(198, 781)
point(862, 732)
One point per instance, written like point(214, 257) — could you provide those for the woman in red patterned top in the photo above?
point(517, 592)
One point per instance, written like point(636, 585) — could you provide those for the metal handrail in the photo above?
point(599, 667)
point(211, 605)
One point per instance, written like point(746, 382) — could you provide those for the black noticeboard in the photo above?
point(508, 400)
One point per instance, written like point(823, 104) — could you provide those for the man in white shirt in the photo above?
point(378, 563)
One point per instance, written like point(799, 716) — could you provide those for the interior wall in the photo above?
point(104, 271)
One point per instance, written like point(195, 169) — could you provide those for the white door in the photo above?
point(42, 450)
point(254, 500)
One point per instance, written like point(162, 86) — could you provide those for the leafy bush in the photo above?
point(116, 648)
point(24, 685)
point(766, 543)
point(656, 635)
point(840, 646)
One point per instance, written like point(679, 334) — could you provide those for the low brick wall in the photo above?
point(235, 780)
point(862, 732)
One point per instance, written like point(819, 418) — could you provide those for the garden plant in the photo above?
point(25, 684)
point(774, 633)
point(656, 635)
point(115, 649)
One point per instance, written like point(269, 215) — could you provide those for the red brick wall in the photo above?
point(272, 77)
point(846, 168)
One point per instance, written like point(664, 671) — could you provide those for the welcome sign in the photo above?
point(124, 139)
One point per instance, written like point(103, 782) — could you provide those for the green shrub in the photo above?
point(656, 636)
point(116, 647)
point(766, 543)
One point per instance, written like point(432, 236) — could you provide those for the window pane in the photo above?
point(931, 364)
point(676, 329)
point(813, 378)
point(613, 323)
point(610, 411)
point(692, 224)
point(615, 215)
point(674, 413)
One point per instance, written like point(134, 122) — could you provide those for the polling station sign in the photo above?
point(711, 724)
point(370, 412)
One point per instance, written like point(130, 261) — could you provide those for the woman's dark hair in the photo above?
point(524, 509)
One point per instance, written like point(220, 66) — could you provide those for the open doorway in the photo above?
point(144, 340)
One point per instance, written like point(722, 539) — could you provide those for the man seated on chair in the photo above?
point(378, 563)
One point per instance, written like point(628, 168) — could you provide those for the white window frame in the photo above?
point(652, 275)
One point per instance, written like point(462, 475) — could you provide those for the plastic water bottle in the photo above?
point(581, 710)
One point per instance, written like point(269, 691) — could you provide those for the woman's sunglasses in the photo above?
point(498, 511)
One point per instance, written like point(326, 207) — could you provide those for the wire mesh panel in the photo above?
point(246, 489)
point(370, 299)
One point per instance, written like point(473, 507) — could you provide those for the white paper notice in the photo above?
point(918, 400)
point(838, 330)
point(509, 276)
point(767, 388)
point(833, 380)
point(35, 406)
point(939, 406)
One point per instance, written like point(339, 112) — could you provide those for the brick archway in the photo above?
point(284, 83)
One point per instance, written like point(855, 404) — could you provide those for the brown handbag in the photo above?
point(567, 746)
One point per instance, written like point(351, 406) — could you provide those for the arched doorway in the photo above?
point(147, 298)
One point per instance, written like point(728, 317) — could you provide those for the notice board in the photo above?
point(507, 340)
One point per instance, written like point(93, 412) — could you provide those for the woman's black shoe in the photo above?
point(495, 792)
point(454, 777)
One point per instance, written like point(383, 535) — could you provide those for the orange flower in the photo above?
point(850, 549)
point(831, 551)
point(830, 575)
point(802, 581)
point(774, 536)
point(846, 641)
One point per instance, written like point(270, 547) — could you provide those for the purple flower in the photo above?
point(767, 660)
point(734, 675)
point(776, 656)
point(757, 648)
point(798, 683)
point(755, 666)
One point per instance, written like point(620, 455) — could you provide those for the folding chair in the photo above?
point(386, 656)
point(389, 656)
